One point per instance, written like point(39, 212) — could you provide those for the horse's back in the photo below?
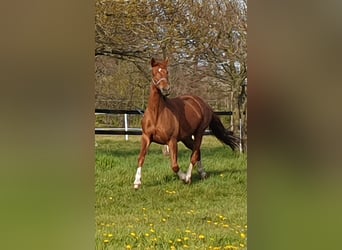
point(192, 112)
point(195, 104)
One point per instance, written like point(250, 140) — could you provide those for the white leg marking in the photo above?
point(188, 174)
point(181, 175)
point(200, 170)
point(137, 181)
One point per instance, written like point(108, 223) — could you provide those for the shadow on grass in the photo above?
point(195, 178)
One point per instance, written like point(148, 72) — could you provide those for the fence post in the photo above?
point(126, 126)
point(240, 135)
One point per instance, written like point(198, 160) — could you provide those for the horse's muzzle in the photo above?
point(165, 91)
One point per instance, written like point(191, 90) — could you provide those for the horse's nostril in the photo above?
point(166, 91)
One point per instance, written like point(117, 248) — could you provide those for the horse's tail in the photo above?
point(224, 135)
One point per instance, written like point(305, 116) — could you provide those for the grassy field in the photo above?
point(165, 213)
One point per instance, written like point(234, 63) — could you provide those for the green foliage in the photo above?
point(117, 121)
point(165, 213)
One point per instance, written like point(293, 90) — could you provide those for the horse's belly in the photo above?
point(159, 140)
point(163, 135)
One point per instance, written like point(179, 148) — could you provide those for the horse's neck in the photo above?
point(156, 103)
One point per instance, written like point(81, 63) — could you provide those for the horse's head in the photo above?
point(160, 77)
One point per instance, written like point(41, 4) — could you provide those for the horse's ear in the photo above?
point(153, 62)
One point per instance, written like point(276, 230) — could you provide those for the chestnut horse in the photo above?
point(184, 118)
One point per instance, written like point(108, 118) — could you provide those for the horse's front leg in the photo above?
point(145, 143)
point(174, 164)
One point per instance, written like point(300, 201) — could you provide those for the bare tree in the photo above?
point(205, 41)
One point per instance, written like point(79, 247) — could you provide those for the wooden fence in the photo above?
point(131, 131)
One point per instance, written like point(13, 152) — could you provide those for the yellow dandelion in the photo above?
point(221, 175)
point(104, 234)
point(128, 247)
point(242, 245)
point(230, 247)
point(243, 235)
point(147, 234)
point(172, 247)
point(217, 248)
point(186, 238)
point(106, 241)
point(185, 246)
point(187, 231)
point(225, 225)
point(209, 221)
point(179, 240)
point(170, 241)
point(110, 235)
point(152, 230)
point(201, 236)
point(163, 220)
point(151, 225)
point(110, 197)
point(154, 239)
point(133, 234)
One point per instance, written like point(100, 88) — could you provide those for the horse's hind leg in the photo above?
point(201, 171)
point(196, 157)
point(145, 143)
point(194, 146)
point(189, 143)
point(173, 155)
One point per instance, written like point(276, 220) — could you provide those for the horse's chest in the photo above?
point(159, 131)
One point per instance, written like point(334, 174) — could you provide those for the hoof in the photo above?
point(187, 181)
point(136, 186)
point(204, 176)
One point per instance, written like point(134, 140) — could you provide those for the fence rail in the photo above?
point(119, 111)
point(132, 131)
point(141, 112)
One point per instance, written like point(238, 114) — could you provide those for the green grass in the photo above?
point(165, 213)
